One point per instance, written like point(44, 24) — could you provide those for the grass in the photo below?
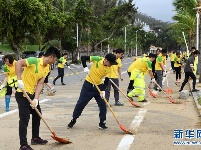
point(7, 48)
point(199, 100)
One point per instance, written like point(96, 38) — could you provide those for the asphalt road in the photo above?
point(153, 125)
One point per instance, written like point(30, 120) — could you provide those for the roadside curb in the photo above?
point(196, 95)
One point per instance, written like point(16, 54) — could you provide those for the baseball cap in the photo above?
point(111, 58)
point(151, 55)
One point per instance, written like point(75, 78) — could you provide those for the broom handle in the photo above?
point(123, 93)
point(38, 112)
point(105, 100)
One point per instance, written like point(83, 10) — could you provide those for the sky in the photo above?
point(159, 9)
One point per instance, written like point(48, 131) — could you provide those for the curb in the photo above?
point(195, 97)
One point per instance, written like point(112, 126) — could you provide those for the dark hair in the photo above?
point(119, 50)
point(52, 51)
point(193, 47)
point(9, 57)
point(41, 54)
point(164, 51)
point(65, 54)
point(177, 53)
point(196, 52)
point(151, 55)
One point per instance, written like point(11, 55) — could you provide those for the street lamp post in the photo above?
point(136, 44)
point(78, 57)
point(125, 40)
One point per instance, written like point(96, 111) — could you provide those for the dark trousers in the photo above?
point(24, 114)
point(130, 85)
point(187, 75)
point(60, 74)
point(172, 65)
point(159, 78)
point(178, 72)
point(116, 91)
point(87, 93)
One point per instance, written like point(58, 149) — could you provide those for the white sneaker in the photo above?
point(53, 90)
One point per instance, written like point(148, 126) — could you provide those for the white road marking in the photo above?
point(16, 110)
point(128, 139)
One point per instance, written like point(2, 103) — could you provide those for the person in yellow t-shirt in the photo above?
point(159, 68)
point(61, 63)
point(172, 56)
point(10, 79)
point(31, 80)
point(99, 69)
point(177, 66)
point(142, 66)
point(114, 75)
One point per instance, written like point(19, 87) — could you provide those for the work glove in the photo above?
point(20, 84)
point(1, 87)
point(103, 94)
point(165, 73)
point(86, 70)
point(35, 103)
point(69, 67)
point(153, 80)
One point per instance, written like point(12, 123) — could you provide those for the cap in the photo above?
point(151, 55)
point(111, 58)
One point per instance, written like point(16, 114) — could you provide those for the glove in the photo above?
point(103, 94)
point(1, 87)
point(153, 80)
point(165, 73)
point(69, 67)
point(86, 70)
point(35, 103)
point(20, 84)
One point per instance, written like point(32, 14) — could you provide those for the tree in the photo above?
point(19, 17)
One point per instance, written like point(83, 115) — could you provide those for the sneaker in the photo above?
point(118, 103)
point(71, 124)
point(27, 147)
point(63, 83)
point(38, 141)
point(195, 90)
point(53, 90)
point(143, 100)
point(102, 126)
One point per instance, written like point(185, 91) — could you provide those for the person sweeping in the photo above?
point(99, 69)
point(114, 75)
point(10, 79)
point(142, 66)
point(32, 81)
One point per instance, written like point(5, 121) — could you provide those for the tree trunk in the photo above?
point(16, 50)
point(199, 57)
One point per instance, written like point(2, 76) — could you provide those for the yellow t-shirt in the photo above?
point(98, 70)
point(114, 69)
point(63, 61)
point(172, 56)
point(10, 70)
point(159, 60)
point(177, 59)
point(164, 60)
point(34, 71)
point(132, 66)
point(12, 77)
point(143, 64)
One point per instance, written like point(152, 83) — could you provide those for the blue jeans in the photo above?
point(89, 91)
